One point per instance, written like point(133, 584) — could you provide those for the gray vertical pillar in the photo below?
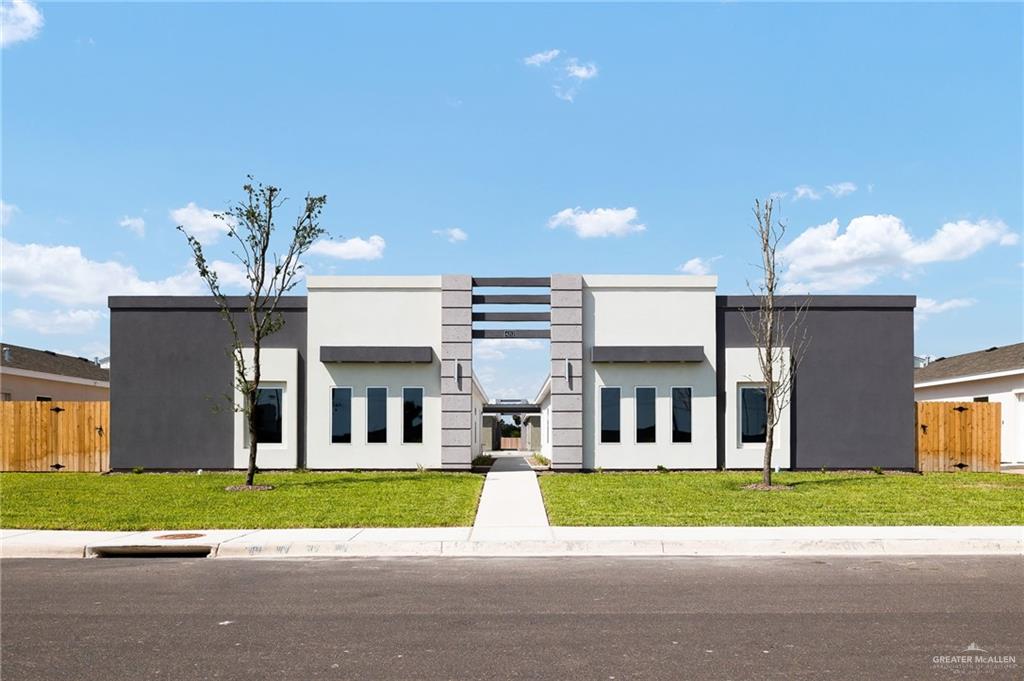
point(566, 371)
point(456, 371)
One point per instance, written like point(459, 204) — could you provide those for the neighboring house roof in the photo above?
point(1008, 358)
point(47, 362)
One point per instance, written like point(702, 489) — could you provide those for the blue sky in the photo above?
point(593, 138)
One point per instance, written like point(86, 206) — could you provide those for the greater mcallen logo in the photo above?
point(974, 658)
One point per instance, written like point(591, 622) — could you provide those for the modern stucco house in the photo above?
point(992, 375)
point(645, 371)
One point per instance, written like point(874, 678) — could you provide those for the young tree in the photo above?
point(269, 276)
point(774, 329)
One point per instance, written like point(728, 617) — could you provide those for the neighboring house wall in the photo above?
point(649, 311)
point(373, 312)
point(853, 402)
point(1008, 391)
point(28, 387)
point(173, 377)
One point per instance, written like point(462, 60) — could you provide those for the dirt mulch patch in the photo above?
point(248, 488)
point(760, 486)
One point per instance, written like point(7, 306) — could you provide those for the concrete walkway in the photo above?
point(511, 505)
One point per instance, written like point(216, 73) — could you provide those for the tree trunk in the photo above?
point(250, 474)
point(769, 442)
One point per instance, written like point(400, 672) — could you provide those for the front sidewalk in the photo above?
point(550, 541)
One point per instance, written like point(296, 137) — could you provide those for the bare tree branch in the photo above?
point(774, 329)
point(250, 223)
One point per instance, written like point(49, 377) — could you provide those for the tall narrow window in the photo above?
point(645, 420)
point(412, 415)
point(610, 404)
point(682, 415)
point(268, 415)
point(376, 415)
point(341, 415)
point(753, 415)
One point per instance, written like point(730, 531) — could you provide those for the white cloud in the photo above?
point(63, 274)
point(574, 69)
point(231, 275)
point(962, 239)
point(569, 72)
point(541, 58)
point(20, 20)
point(355, 248)
point(926, 307)
point(841, 189)
point(496, 348)
point(7, 211)
point(201, 223)
point(699, 266)
point(453, 234)
point(804, 191)
point(873, 246)
point(55, 321)
point(600, 222)
point(135, 225)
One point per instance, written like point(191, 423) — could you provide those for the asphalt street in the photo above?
point(557, 618)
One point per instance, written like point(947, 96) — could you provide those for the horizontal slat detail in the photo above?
point(511, 316)
point(512, 299)
point(511, 333)
point(524, 282)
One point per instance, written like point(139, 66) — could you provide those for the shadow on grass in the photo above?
point(851, 479)
point(360, 479)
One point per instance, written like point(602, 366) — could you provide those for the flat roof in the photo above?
point(814, 302)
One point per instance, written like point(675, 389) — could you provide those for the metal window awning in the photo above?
point(647, 353)
point(377, 354)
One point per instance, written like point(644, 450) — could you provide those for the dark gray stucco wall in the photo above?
point(169, 374)
point(853, 400)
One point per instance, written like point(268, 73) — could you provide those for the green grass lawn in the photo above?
point(847, 498)
point(89, 501)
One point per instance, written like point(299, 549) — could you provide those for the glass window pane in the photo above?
point(376, 415)
point(754, 414)
point(412, 415)
point(610, 400)
point(341, 415)
point(645, 421)
point(268, 415)
point(682, 415)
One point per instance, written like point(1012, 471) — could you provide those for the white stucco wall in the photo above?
point(1006, 390)
point(743, 370)
point(279, 368)
point(650, 310)
point(373, 311)
point(479, 400)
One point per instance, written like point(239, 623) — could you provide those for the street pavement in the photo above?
point(501, 618)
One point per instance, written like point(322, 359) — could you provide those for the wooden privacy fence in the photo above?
point(954, 436)
point(509, 443)
point(39, 436)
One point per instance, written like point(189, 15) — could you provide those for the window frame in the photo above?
point(423, 413)
point(387, 429)
point(740, 387)
point(283, 444)
point(600, 412)
point(636, 405)
point(351, 408)
point(672, 413)
point(44, 398)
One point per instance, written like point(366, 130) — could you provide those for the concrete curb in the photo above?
point(523, 542)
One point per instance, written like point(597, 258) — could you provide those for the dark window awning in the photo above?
point(647, 353)
point(377, 354)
